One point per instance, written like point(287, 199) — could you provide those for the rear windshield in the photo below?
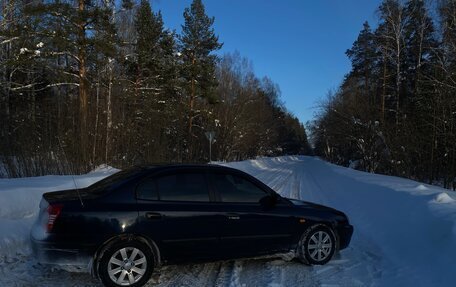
point(113, 181)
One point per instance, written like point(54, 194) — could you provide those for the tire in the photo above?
point(317, 245)
point(122, 263)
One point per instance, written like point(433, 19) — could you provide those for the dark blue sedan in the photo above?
point(126, 225)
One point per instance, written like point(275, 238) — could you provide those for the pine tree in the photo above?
point(74, 38)
point(171, 106)
point(144, 73)
point(419, 91)
point(197, 44)
point(153, 72)
point(149, 29)
point(363, 56)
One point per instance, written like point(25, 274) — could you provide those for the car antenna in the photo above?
point(72, 173)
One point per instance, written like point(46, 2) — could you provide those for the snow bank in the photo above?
point(104, 169)
point(19, 201)
point(443, 198)
point(421, 187)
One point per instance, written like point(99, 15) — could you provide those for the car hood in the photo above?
point(306, 204)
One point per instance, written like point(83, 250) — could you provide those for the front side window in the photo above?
point(233, 188)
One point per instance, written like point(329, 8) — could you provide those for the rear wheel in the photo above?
point(126, 264)
point(317, 245)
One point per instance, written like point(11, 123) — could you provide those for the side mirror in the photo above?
point(268, 201)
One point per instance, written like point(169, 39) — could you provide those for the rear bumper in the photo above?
point(61, 254)
point(345, 234)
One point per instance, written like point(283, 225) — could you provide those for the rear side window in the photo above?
point(112, 181)
point(233, 188)
point(175, 187)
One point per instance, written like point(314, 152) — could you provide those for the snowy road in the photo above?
point(404, 232)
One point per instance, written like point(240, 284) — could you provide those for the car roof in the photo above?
point(164, 166)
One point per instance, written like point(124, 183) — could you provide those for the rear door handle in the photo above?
point(153, 215)
point(233, 216)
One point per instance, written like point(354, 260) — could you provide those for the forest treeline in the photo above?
point(395, 112)
point(85, 82)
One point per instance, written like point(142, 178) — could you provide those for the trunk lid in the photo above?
point(69, 195)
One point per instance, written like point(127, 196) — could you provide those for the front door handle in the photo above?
point(153, 215)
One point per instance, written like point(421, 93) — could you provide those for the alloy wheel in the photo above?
point(319, 246)
point(127, 266)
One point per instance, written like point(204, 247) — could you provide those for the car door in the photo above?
point(248, 228)
point(175, 210)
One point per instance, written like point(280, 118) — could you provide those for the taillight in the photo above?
point(53, 213)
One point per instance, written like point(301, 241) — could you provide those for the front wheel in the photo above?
point(317, 245)
point(126, 264)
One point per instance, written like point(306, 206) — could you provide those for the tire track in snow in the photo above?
point(362, 257)
point(186, 275)
point(225, 274)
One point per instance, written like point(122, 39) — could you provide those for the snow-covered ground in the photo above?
point(405, 231)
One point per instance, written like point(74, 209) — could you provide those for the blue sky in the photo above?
point(299, 44)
